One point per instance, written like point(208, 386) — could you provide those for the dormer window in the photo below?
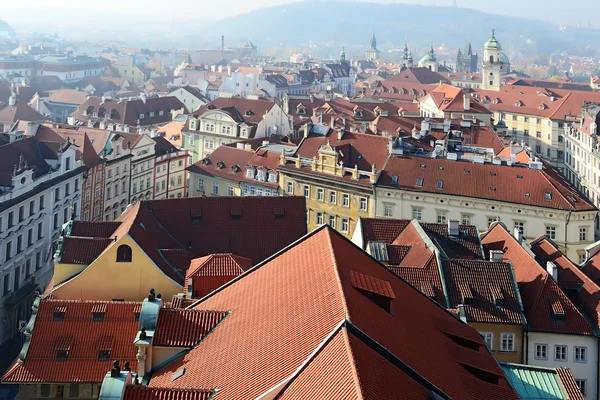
point(103, 355)
point(261, 175)
point(58, 316)
point(220, 165)
point(272, 177)
point(142, 116)
point(497, 296)
point(249, 113)
point(161, 113)
point(250, 173)
point(379, 291)
point(151, 114)
point(98, 316)
point(62, 355)
point(465, 294)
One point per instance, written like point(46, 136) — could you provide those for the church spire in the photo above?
point(343, 55)
point(373, 42)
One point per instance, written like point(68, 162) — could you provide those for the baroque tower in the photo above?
point(491, 66)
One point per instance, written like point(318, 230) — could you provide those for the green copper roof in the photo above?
point(534, 383)
point(492, 43)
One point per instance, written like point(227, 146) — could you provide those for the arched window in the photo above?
point(124, 253)
point(491, 59)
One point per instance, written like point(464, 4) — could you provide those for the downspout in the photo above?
point(567, 231)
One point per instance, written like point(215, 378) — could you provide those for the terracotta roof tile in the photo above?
point(139, 392)
point(82, 250)
point(21, 111)
point(479, 280)
point(79, 335)
point(184, 328)
point(284, 314)
point(516, 184)
point(241, 109)
point(94, 229)
point(538, 290)
point(569, 384)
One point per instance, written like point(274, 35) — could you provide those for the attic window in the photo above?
point(467, 171)
point(422, 165)
point(481, 374)
point(492, 188)
point(497, 296)
point(548, 196)
point(62, 355)
point(419, 181)
point(440, 168)
point(220, 165)
point(211, 107)
point(195, 216)
point(519, 176)
point(558, 312)
point(439, 184)
point(98, 316)
point(178, 374)
point(527, 194)
point(236, 213)
point(463, 342)
point(58, 315)
point(572, 198)
point(103, 355)
point(394, 179)
point(249, 112)
point(465, 294)
point(492, 173)
point(379, 291)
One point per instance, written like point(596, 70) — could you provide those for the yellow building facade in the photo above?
point(498, 338)
point(108, 279)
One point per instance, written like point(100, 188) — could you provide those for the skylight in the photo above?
point(178, 374)
point(419, 181)
point(439, 185)
point(548, 196)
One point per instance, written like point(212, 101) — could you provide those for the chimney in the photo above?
point(151, 295)
point(467, 102)
point(552, 270)
point(306, 130)
point(453, 227)
point(332, 124)
point(518, 235)
point(496, 255)
point(340, 133)
point(115, 371)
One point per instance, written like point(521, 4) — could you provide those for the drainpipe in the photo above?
point(566, 230)
point(526, 346)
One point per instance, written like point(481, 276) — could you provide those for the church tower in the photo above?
point(492, 64)
point(373, 53)
point(406, 61)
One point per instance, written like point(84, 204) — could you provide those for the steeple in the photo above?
point(343, 55)
point(373, 42)
point(469, 49)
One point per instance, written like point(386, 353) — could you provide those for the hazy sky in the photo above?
point(18, 12)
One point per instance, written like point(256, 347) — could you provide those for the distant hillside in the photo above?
point(4, 27)
point(352, 23)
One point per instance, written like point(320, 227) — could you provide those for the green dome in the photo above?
point(504, 58)
point(492, 44)
point(426, 58)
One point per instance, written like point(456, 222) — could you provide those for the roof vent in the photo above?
point(465, 293)
point(379, 291)
point(178, 374)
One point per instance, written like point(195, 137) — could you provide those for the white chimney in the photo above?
point(518, 235)
point(552, 270)
point(496, 255)
point(453, 227)
point(467, 102)
point(340, 133)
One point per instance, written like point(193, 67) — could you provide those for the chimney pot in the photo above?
point(143, 335)
point(126, 366)
point(115, 371)
point(151, 295)
point(518, 235)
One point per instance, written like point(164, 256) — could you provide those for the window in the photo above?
point(107, 193)
point(290, 188)
point(41, 202)
point(466, 219)
point(31, 208)
point(124, 253)
point(488, 338)
point(582, 234)
point(215, 188)
point(21, 213)
point(332, 221)
point(230, 191)
point(538, 134)
point(541, 351)
point(200, 185)
point(74, 390)
point(442, 217)
point(419, 182)
point(11, 219)
point(439, 184)
point(319, 218)
point(8, 252)
point(507, 341)
point(345, 200)
point(40, 230)
point(68, 164)
point(388, 210)
point(560, 353)
point(17, 278)
point(580, 354)
point(76, 189)
point(526, 132)
point(520, 225)
point(45, 390)
point(320, 194)
point(61, 355)
point(56, 194)
point(561, 139)
point(29, 237)
point(97, 194)
point(582, 385)
point(417, 214)
point(104, 355)
point(363, 204)
point(345, 225)
point(6, 284)
point(332, 197)
point(87, 196)
point(306, 191)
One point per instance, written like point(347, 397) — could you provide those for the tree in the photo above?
point(552, 71)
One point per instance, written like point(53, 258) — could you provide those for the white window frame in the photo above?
point(345, 200)
point(364, 204)
point(388, 210)
point(582, 385)
point(319, 219)
point(230, 191)
point(565, 356)
point(215, 188)
point(551, 231)
point(306, 191)
point(506, 339)
point(582, 356)
point(201, 184)
point(417, 213)
point(320, 194)
point(345, 225)
point(290, 188)
point(331, 221)
point(442, 217)
point(488, 339)
point(583, 234)
point(538, 350)
point(332, 197)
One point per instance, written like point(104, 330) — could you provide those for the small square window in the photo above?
point(541, 351)
point(560, 353)
point(439, 185)
point(580, 354)
point(363, 204)
point(419, 182)
point(507, 342)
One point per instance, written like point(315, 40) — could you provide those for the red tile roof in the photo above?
point(580, 289)
point(238, 108)
point(139, 392)
point(94, 229)
point(495, 182)
point(230, 163)
point(82, 250)
point(451, 99)
point(210, 272)
point(172, 232)
point(184, 328)
point(279, 315)
point(21, 111)
point(420, 75)
point(82, 337)
point(569, 384)
point(538, 290)
point(484, 282)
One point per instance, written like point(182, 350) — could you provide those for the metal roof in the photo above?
point(534, 383)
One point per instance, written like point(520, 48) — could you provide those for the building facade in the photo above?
point(143, 150)
point(170, 176)
point(116, 175)
point(467, 61)
point(41, 190)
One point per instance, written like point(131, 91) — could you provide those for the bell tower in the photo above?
point(492, 64)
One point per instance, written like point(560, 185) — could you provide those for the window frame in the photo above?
point(545, 347)
point(509, 336)
point(566, 352)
